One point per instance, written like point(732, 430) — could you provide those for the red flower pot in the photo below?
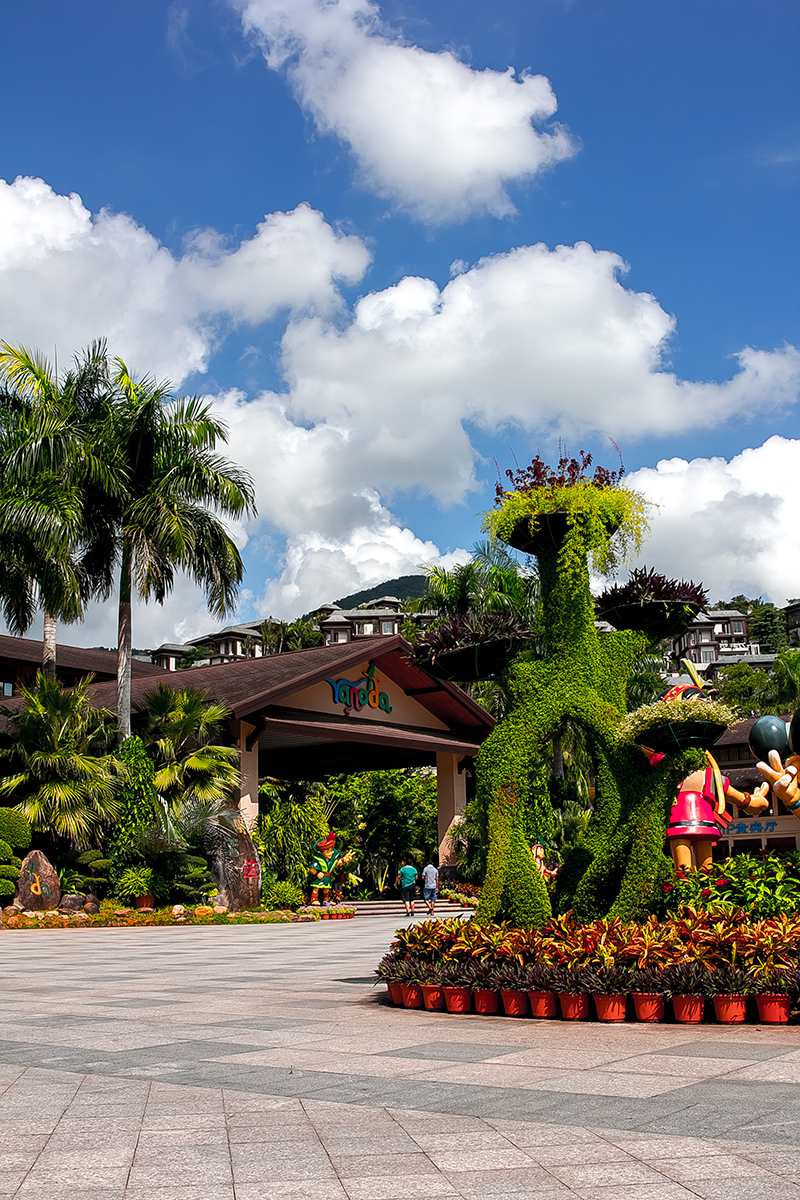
point(574, 1008)
point(486, 1001)
point(515, 1003)
point(457, 999)
point(543, 1004)
point(610, 1008)
point(649, 1006)
point(395, 992)
point(773, 1009)
point(412, 995)
point(432, 995)
point(689, 1010)
point(730, 1010)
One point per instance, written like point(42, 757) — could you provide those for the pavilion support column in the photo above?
point(451, 790)
point(246, 795)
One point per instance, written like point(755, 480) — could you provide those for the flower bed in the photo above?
point(117, 918)
point(330, 912)
point(687, 959)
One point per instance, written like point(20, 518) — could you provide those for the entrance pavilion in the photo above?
point(335, 710)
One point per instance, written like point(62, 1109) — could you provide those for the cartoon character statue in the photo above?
point(325, 860)
point(537, 850)
point(779, 741)
point(698, 815)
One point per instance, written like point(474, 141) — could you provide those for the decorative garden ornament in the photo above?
point(320, 869)
point(699, 815)
point(781, 770)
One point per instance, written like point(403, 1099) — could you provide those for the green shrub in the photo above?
point(284, 895)
point(762, 887)
point(15, 829)
point(133, 882)
point(193, 880)
point(7, 887)
point(137, 796)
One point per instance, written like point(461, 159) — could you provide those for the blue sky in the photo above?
point(675, 146)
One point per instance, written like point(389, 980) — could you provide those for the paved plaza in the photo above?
point(257, 1061)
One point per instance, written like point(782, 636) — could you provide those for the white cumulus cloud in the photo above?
point(546, 340)
point(439, 138)
point(68, 276)
point(731, 525)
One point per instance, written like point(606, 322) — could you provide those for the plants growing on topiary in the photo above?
point(619, 861)
point(650, 602)
point(139, 804)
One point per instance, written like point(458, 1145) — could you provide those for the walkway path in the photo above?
point(256, 1063)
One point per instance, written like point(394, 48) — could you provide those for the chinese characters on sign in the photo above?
point(752, 827)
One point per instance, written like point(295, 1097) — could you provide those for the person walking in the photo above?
point(430, 885)
point(407, 880)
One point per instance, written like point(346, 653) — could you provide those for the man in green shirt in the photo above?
point(407, 880)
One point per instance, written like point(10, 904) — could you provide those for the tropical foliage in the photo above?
point(57, 764)
point(181, 731)
point(761, 887)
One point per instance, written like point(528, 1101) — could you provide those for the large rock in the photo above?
point(71, 903)
point(237, 869)
point(38, 886)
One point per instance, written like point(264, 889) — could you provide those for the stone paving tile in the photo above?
point(10, 1181)
point(48, 1180)
point(284, 1189)
point(474, 1185)
point(187, 1164)
point(606, 1174)
point(647, 1191)
point(254, 1163)
point(485, 1074)
point(744, 1189)
point(214, 1191)
point(387, 1187)
point(718, 1166)
point(583, 1152)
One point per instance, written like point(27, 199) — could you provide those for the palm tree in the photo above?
point(57, 768)
point(55, 537)
point(176, 488)
point(181, 730)
point(780, 690)
point(492, 582)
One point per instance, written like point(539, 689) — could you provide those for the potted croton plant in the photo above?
point(651, 603)
point(471, 647)
point(540, 985)
point(569, 983)
point(609, 986)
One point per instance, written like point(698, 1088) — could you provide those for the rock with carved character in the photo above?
point(38, 887)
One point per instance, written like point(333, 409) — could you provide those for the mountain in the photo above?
point(407, 587)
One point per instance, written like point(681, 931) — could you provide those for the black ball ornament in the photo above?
point(794, 733)
point(770, 733)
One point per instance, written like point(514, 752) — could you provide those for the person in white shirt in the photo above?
point(430, 884)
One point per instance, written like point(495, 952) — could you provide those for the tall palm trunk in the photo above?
point(124, 644)
point(49, 645)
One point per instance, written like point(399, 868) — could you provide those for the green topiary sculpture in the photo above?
point(565, 518)
point(15, 834)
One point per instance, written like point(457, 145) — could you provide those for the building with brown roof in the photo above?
point(21, 658)
point(337, 709)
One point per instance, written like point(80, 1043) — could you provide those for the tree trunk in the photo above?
point(49, 645)
point(124, 643)
point(558, 757)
